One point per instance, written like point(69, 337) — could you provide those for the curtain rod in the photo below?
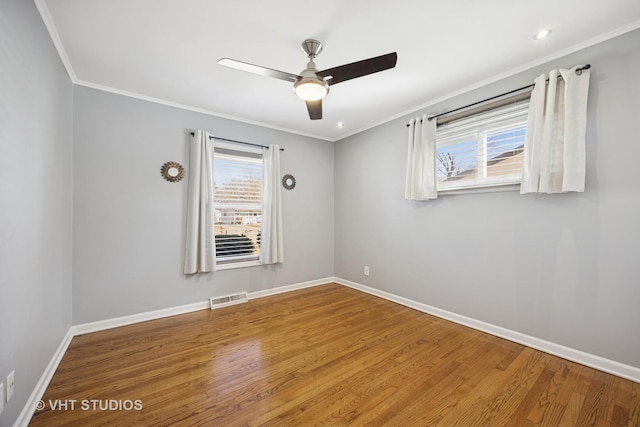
point(578, 72)
point(237, 142)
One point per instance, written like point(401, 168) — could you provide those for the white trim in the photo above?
point(227, 304)
point(41, 5)
point(218, 143)
point(55, 37)
point(41, 386)
point(512, 72)
point(100, 325)
point(240, 264)
point(116, 322)
point(29, 408)
point(53, 32)
point(289, 288)
point(488, 189)
point(610, 366)
point(600, 363)
point(194, 109)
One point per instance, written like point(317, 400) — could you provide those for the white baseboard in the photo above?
point(101, 325)
point(116, 322)
point(27, 411)
point(610, 366)
point(600, 363)
point(289, 288)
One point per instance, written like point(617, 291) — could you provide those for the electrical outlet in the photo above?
point(10, 384)
point(1, 397)
point(366, 270)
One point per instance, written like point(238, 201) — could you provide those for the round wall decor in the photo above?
point(172, 171)
point(288, 182)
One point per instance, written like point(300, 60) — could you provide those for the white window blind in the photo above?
point(484, 150)
point(237, 175)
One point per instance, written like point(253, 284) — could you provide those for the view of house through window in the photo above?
point(237, 177)
point(482, 151)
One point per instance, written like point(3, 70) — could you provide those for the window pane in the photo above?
point(238, 239)
point(505, 151)
point(238, 205)
point(457, 161)
point(481, 151)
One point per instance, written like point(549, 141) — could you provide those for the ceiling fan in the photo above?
point(312, 85)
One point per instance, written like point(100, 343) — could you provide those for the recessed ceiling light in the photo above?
point(340, 124)
point(542, 34)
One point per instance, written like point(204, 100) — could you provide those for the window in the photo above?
point(237, 203)
point(485, 150)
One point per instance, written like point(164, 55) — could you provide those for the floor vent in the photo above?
point(227, 300)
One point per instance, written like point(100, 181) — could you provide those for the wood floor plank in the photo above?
point(557, 394)
point(618, 403)
point(359, 385)
point(326, 355)
point(573, 410)
point(634, 406)
point(394, 359)
point(506, 402)
point(438, 402)
point(533, 399)
point(595, 399)
point(510, 357)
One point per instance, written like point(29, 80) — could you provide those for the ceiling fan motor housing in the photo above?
point(311, 48)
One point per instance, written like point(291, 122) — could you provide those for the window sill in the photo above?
point(491, 189)
point(240, 264)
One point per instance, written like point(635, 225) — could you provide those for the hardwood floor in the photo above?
point(327, 355)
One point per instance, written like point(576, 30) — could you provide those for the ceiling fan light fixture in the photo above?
point(311, 89)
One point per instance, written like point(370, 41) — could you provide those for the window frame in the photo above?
point(479, 126)
point(238, 261)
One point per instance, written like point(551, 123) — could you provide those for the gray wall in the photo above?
point(35, 200)
point(563, 268)
point(80, 186)
point(129, 223)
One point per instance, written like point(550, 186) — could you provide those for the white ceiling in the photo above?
point(167, 50)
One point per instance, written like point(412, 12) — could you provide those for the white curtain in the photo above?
point(200, 248)
point(554, 149)
point(271, 239)
point(421, 160)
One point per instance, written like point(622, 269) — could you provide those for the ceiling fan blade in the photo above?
point(256, 69)
point(360, 68)
point(315, 109)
